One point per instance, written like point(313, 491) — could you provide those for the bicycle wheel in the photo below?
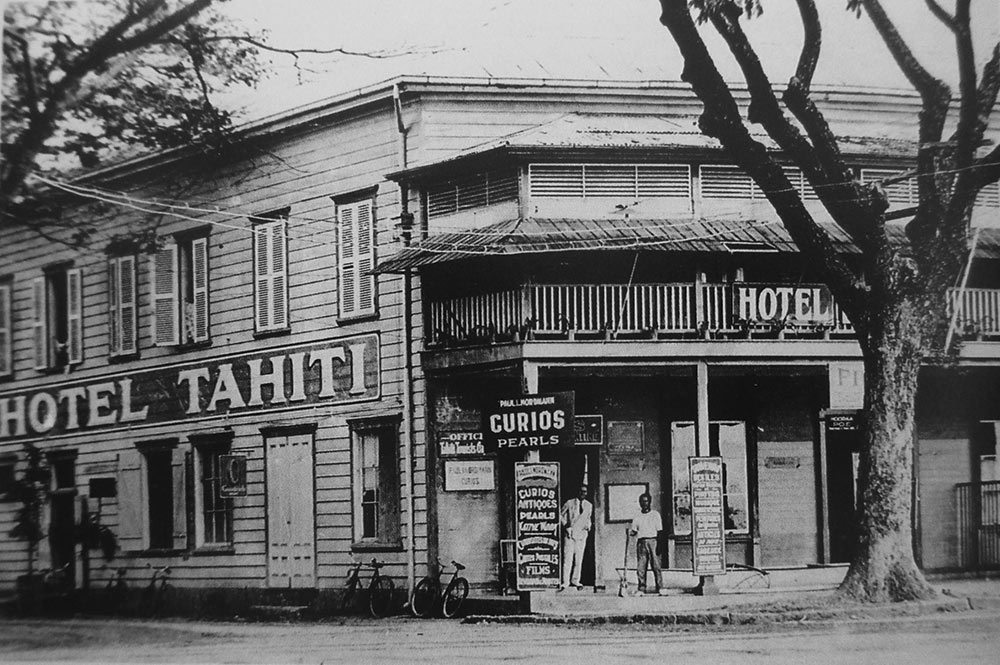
point(424, 595)
point(380, 596)
point(454, 596)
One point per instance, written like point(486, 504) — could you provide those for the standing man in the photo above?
point(646, 527)
point(576, 518)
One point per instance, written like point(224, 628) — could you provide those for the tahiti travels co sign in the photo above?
point(536, 513)
point(529, 421)
point(340, 370)
point(801, 305)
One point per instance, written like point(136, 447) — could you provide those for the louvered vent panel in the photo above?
point(609, 181)
point(664, 181)
point(474, 191)
point(727, 182)
point(989, 195)
point(800, 183)
point(556, 180)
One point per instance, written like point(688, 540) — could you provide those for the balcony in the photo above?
point(668, 311)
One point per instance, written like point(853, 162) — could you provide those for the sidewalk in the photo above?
point(740, 607)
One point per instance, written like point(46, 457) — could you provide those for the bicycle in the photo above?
point(428, 593)
point(115, 591)
point(155, 592)
point(380, 589)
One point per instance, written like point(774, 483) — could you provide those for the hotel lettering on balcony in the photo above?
point(390, 305)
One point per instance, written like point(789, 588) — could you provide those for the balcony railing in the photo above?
point(978, 514)
point(617, 311)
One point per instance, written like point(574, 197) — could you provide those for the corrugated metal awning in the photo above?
point(531, 235)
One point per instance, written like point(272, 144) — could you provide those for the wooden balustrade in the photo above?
point(650, 310)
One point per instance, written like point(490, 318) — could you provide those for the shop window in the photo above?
point(356, 247)
point(728, 441)
point(122, 334)
point(376, 482)
point(214, 522)
point(152, 504)
point(270, 269)
point(180, 292)
point(6, 329)
point(56, 318)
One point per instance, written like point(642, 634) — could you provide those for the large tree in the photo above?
point(899, 305)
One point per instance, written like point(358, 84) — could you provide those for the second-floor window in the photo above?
point(122, 334)
point(57, 318)
point(6, 330)
point(179, 278)
point(356, 247)
point(270, 271)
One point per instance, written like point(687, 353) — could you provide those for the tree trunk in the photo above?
point(883, 568)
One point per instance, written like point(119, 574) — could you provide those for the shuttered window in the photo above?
point(356, 249)
point(270, 267)
point(164, 286)
point(638, 181)
point(6, 331)
point(57, 319)
point(152, 497)
point(478, 190)
point(196, 297)
point(122, 333)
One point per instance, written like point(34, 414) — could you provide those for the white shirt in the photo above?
point(647, 525)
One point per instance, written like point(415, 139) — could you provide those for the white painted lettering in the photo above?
point(99, 399)
point(357, 369)
point(226, 390)
point(748, 303)
point(12, 411)
point(767, 304)
point(127, 414)
point(298, 362)
point(325, 358)
point(72, 396)
point(42, 411)
point(275, 378)
point(192, 377)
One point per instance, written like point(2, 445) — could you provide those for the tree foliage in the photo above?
point(30, 491)
point(898, 303)
point(86, 82)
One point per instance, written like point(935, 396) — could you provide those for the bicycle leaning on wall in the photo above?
point(427, 594)
point(380, 589)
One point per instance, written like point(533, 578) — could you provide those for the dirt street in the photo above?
point(966, 637)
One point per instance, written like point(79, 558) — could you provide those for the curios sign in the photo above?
point(528, 421)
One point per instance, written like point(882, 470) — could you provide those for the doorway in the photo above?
point(291, 543)
point(576, 466)
point(62, 516)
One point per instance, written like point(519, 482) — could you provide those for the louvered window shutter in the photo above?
point(74, 315)
point(163, 280)
point(131, 530)
point(199, 278)
point(127, 304)
point(6, 356)
point(40, 322)
point(114, 309)
point(357, 259)
point(179, 469)
point(271, 275)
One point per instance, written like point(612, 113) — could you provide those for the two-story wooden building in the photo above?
point(294, 374)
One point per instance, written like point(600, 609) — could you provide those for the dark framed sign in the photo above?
point(528, 422)
point(232, 475)
point(621, 501)
point(588, 430)
point(625, 437)
point(536, 514)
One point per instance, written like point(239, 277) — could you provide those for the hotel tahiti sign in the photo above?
point(330, 372)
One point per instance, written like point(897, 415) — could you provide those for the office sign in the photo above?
point(460, 444)
point(232, 475)
point(529, 421)
point(536, 514)
point(708, 532)
point(799, 305)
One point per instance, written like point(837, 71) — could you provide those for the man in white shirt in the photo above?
point(646, 527)
point(576, 518)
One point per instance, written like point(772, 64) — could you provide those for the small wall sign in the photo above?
point(588, 430)
point(708, 534)
point(233, 472)
point(460, 444)
point(468, 475)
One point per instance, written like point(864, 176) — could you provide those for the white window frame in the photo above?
point(216, 447)
point(6, 329)
point(270, 273)
point(123, 334)
point(680, 485)
point(44, 316)
point(387, 494)
point(357, 293)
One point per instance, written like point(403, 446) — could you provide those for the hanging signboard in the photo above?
point(798, 305)
point(847, 385)
point(232, 475)
point(460, 444)
point(708, 533)
point(843, 421)
point(536, 513)
point(528, 421)
point(588, 430)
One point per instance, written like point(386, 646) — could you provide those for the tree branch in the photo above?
point(721, 119)
point(941, 14)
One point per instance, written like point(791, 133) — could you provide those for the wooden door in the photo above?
point(291, 538)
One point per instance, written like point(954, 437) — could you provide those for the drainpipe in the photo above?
point(406, 225)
